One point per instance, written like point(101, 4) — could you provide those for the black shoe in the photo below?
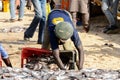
point(110, 28)
point(26, 38)
point(87, 28)
point(39, 42)
point(12, 20)
point(20, 19)
point(106, 29)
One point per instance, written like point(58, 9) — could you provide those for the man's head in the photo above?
point(63, 30)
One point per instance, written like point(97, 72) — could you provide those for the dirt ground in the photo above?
point(101, 50)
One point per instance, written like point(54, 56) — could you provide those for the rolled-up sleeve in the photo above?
point(3, 52)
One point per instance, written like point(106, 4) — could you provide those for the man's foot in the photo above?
point(20, 19)
point(11, 20)
point(39, 42)
point(86, 28)
point(26, 38)
point(110, 29)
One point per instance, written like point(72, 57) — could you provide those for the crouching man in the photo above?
point(58, 30)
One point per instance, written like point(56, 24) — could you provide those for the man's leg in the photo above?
point(107, 12)
point(38, 14)
point(41, 31)
point(42, 22)
point(84, 10)
point(73, 10)
point(114, 8)
point(46, 39)
point(12, 9)
point(107, 7)
point(21, 11)
point(74, 18)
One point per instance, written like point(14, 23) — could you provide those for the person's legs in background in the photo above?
point(105, 7)
point(17, 3)
point(84, 10)
point(42, 22)
point(40, 18)
point(110, 10)
point(29, 4)
point(41, 31)
point(74, 14)
point(114, 9)
point(73, 10)
point(12, 10)
point(31, 29)
point(38, 14)
point(85, 21)
point(21, 10)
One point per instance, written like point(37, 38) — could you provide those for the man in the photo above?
point(5, 56)
point(60, 28)
point(39, 19)
point(109, 8)
point(81, 6)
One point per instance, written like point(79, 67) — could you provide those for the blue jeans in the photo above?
point(109, 8)
point(13, 9)
point(3, 53)
point(39, 19)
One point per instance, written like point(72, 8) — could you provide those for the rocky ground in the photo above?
point(102, 51)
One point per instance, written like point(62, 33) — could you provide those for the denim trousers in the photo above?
point(13, 9)
point(109, 8)
point(38, 20)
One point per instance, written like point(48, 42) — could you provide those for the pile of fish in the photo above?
point(14, 29)
point(42, 62)
point(7, 73)
point(44, 68)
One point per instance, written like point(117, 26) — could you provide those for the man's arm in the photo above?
point(80, 56)
point(5, 56)
point(7, 62)
point(56, 55)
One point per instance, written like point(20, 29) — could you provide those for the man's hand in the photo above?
point(78, 65)
point(96, 2)
point(56, 55)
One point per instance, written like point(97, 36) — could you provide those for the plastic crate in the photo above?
point(28, 52)
point(67, 57)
